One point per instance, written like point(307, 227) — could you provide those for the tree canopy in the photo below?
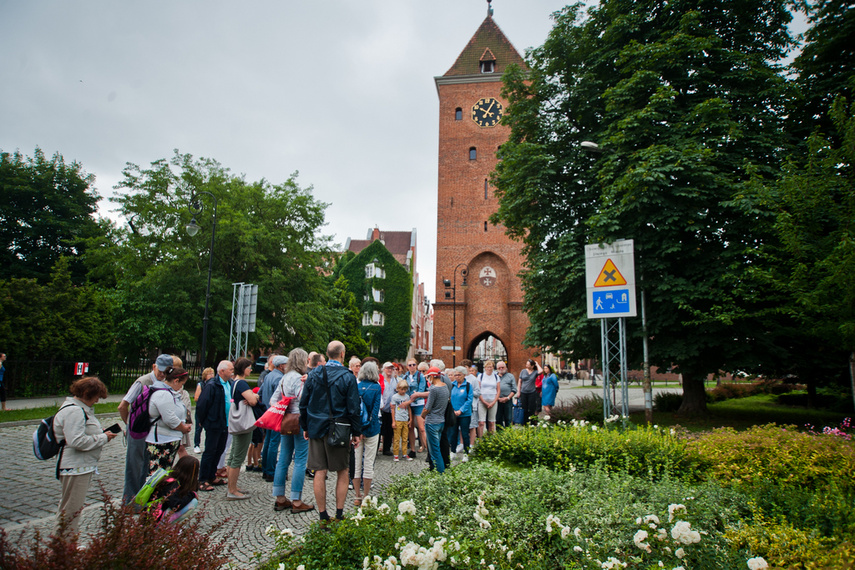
point(266, 234)
point(46, 212)
point(685, 100)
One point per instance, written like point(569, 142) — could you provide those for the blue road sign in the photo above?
point(611, 302)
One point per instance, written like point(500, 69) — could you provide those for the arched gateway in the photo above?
point(478, 288)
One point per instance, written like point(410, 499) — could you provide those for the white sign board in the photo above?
point(610, 279)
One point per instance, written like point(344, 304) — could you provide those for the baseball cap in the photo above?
point(433, 371)
point(163, 362)
point(279, 360)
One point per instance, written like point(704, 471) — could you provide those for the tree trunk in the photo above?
point(694, 396)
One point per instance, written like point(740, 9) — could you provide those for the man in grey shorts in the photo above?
point(316, 411)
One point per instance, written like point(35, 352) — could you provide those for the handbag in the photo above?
point(272, 417)
point(519, 414)
point(339, 432)
point(291, 421)
point(241, 418)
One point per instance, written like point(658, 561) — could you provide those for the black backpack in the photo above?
point(45, 444)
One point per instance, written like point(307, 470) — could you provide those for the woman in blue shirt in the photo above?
point(461, 401)
point(366, 450)
point(550, 388)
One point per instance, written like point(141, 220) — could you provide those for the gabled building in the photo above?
point(381, 273)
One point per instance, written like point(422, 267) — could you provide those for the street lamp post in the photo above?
point(193, 228)
point(451, 293)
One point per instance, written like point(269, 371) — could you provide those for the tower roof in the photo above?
point(488, 43)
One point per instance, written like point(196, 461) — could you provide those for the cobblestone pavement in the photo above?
point(30, 493)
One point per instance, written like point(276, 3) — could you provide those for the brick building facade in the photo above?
point(469, 248)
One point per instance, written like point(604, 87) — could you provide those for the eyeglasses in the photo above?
point(411, 364)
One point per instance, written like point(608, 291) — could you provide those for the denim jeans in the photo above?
point(296, 448)
point(461, 428)
point(434, 433)
point(270, 451)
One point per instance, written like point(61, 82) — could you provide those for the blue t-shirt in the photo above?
point(550, 390)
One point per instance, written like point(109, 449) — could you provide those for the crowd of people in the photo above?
point(390, 409)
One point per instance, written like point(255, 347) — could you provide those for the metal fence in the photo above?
point(43, 378)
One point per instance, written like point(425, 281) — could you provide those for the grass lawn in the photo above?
point(39, 413)
point(742, 413)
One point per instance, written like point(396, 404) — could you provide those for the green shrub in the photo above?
point(667, 401)
point(727, 391)
point(643, 452)
point(588, 408)
point(499, 516)
point(806, 477)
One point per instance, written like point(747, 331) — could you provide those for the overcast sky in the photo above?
point(340, 90)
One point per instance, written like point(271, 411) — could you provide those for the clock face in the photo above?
point(487, 112)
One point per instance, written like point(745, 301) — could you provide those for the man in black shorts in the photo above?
point(320, 401)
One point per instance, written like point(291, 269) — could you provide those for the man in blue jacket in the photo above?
point(323, 399)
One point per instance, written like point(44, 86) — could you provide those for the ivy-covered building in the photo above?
point(381, 273)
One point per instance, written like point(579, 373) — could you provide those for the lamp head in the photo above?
point(446, 282)
point(193, 228)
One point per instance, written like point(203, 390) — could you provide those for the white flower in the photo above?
point(565, 532)
point(577, 548)
point(577, 532)
point(366, 563)
point(407, 507)
point(661, 534)
point(757, 563)
point(510, 555)
point(613, 562)
point(400, 518)
point(680, 553)
point(384, 508)
point(281, 566)
point(286, 532)
point(683, 533)
point(546, 418)
point(673, 509)
point(651, 519)
point(300, 567)
point(594, 428)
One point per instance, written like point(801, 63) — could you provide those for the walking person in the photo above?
point(434, 415)
point(365, 452)
point(330, 392)
point(270, 449)
point(292, 447)
point(76, 424)
point(168, 425)
point(527, 387)
point(135, 457)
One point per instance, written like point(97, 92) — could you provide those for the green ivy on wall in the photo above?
point(392, 339)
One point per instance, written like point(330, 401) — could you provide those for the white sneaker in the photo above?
point(465, 458)
point(459, 448)
point(197, 450)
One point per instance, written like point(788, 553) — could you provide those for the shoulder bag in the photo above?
point(339, 432)
point(290, 421)
point(241, 418)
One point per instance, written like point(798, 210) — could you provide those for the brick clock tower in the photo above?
point(478, 289)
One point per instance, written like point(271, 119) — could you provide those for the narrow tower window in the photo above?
point(473, 154)
point(485, 226)
point(485, 189)
point(458, 114)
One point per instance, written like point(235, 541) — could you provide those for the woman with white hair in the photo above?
point(365, 452)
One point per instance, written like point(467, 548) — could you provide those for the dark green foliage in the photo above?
point(47, 211)
point(56, 320)
point(645, 452)
point(351, 320)
point(266, 234)
point(392, 340)
point(667, 401)
point(686, 101)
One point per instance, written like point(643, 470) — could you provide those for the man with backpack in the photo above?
point(135, 461)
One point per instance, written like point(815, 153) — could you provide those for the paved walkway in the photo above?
point(30, 493)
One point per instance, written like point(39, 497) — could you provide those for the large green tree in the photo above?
point(266, 234)
point(684, 99)
point(47, 209)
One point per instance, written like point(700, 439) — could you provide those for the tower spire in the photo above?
point(489, 9)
